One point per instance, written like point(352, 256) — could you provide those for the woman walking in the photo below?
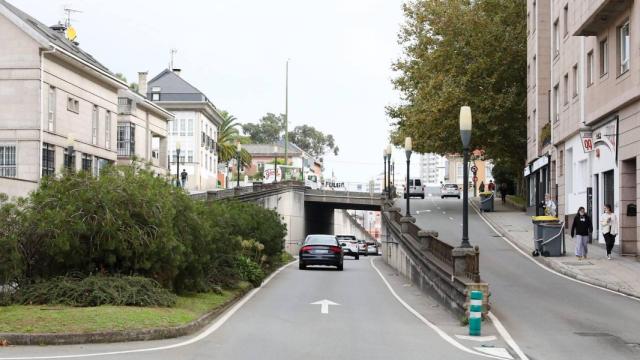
point(609, 223)
point(581, 229)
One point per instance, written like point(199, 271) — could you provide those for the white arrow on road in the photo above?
point(324, 305)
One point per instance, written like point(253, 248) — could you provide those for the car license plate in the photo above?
point(320, 251)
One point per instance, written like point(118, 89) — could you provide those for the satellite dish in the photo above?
point(71, 33)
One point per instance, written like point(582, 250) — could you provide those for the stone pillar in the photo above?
point(425, 237)
point(460, 259)
point(404, 223)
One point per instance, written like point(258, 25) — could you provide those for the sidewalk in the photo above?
point(622, 274)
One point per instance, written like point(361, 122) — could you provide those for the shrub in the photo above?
point(249, 270)
point(96, 291)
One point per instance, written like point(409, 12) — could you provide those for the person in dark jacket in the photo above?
point(581, 229)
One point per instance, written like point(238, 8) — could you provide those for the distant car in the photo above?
point(372, 248)
point(321, 250)
point(449, 190)
point(362, 248)
point(349, 245)
point(415, 189)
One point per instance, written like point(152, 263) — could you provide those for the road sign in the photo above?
point(324, 305)
point(474, 169)
point(475, 179)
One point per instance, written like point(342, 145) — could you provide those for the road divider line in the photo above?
point(431, 325)
point(507, 337)
point(208, 331)
point(477, 338)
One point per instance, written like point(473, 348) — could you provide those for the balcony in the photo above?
point(597, 15)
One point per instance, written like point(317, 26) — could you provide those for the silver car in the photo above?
point(449, 190)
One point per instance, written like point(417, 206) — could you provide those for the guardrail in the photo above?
point(248, 192)
point(344, 193)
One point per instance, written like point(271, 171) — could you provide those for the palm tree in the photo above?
point(228, 136)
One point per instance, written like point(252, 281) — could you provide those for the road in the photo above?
point(549, 316)
point(279, 322)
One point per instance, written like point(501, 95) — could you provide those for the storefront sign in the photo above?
point(587, 140)
point(607, 136)
point(540, 162)
point(527, 171)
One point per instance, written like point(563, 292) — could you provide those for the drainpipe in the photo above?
point(50, 51)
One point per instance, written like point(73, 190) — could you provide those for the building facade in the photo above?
point(193, 131)
point(433, 168)
point(590, 58)
point(59, 105)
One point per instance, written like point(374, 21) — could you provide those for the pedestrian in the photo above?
point(183, 177)
point(492, 186)
point(609, 223)
point(503, 193)
point(581, 228)
point(549, 206)
point(481, 186)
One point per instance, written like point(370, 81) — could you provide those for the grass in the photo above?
point(66, 319)
point(518, 200)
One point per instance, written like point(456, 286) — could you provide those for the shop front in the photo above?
point(538, 179)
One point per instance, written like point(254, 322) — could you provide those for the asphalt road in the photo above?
point(550, 317)
point(279, 322)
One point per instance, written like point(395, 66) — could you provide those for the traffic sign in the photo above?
point(475, 179)
point(474, 169)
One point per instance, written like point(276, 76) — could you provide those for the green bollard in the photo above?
point(475, 313)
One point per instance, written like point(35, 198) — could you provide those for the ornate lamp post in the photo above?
point(275, 164)
point(238, 150)
point(178, 163)
point(384, 183)
point(408, 150)
point(389, 152)
point(465, 134)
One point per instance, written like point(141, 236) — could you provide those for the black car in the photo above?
point(321, 250)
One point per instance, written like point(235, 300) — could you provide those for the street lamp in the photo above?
point(408, 150)
point(389, 152)
point(178, 163)
point(238, 149)
point(384, 157)
point(70, 142)
point(275, 164)
point(465, 134)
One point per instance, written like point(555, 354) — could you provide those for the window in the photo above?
point(565, 19)
point(86, 162)
point(604, 57)
point(100, 164)
point(556, 102)
point(125, 105)
point(155, 96)
point(459, 174)
point(533, 79)
point(556, 39)
point(94, 125)
point(533, 17)
point(107, 130)
point(69, 159)
point(623, 47)
point(8, 161)
point(126, 139)
point(190, 127)
point(566, 88)
point(183, 127)
point(190, 156)
point(561, 163)
point(174, 123)
point(73, 105)
point(590, 68)
point(576, 82)
point(48, 159)
point(204, 139)
point(51, 108)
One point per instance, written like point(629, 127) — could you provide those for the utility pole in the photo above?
point(172, 53)
point(286, 115)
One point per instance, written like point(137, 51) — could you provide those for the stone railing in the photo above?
point(249, 193)
point(431, 263)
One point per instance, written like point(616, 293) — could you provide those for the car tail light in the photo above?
point(306, 248)
point(336, 249)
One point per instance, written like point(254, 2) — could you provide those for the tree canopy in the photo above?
point(268, 129)
point(463, 52)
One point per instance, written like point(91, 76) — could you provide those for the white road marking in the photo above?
point(209, 330)
point(444, 213)
point(507, 337)
point(477, 338)
point(495, 351)
point(324, 305)
point(450, 218)
point(435, 328)
point(542, 265)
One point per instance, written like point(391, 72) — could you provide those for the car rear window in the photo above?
point(417, 182)
point(345, 237)
point(321, 240)
point(451, 186)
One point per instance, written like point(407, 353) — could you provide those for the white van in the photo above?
point(415, 189)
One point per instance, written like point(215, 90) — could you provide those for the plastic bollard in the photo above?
point(475, 313)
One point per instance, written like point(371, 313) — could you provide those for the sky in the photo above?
point(235, 52)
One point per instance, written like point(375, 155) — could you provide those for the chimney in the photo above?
point(142, 82)
point(177, 71)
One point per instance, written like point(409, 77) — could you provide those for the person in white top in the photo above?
point(609, 223)
point(549, 206)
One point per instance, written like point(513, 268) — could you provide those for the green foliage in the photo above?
point(96, 291)
point(249, 270)
point(463, 52)
point(268, 130)
point(313, 141)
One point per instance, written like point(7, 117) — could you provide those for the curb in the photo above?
point(555, 266)
point(124, 335)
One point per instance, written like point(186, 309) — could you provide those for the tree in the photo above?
point(463, 52)
point(313, 141)
point(132, 86)
point(227, 136)
point(268, 129)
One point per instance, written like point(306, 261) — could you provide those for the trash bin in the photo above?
point(538, 221)
point(486, 201)
point(552, 240)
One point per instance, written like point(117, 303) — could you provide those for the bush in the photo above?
point(96, 291)
point(249, 270)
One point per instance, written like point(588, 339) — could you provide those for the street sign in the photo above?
point(475, 179)
point(474, 169)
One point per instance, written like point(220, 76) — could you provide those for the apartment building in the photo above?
point(593, 93)
point(433, 168)
point(194, 130)
point(455, 171)
point(59, 105)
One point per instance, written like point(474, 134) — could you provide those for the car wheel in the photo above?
point(366, 254)
point(357, 257)
point(458, 196)
point(302, 266)
point(340, 267)
point(441, 197)
point(422, 197)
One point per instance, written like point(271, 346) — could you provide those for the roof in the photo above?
point(174, 88)
point(55, 38)
point(267, 149)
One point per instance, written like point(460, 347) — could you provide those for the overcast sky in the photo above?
point(235, 52)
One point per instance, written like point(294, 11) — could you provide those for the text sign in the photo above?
point(587, 140)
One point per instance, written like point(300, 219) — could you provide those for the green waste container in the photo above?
point(538, 221)
point(552, 240)
point(486, 201)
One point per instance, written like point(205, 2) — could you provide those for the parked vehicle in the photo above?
point(372, 248)
point(349, 245)
point(449, 190)
point(362, 248)
point(415, 189)
point(321, 250)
